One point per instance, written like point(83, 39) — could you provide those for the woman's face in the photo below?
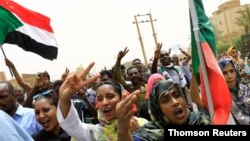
point(173, 106)
point(230, 75)
point(46, 115)
point(106, 100)
point(234, 53)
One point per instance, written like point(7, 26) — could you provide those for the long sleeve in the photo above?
point(154, 66)
point(73, 125)
point(10, 130)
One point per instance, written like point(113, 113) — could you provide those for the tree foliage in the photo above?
point(244, 19)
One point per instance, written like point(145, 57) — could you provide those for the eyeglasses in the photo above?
point(44, 93)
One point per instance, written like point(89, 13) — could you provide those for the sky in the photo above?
point(96, 30)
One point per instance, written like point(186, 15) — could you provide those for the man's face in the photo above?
point(105, 77)
point(165, 59)
point(19, 94)
point(7, 100)
point(175, 60)
point(134, 75)
point(137, 63)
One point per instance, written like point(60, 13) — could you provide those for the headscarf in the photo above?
point(240, 93)
point(223, 63)
point(151, 82)
point(229, 52)
point(154, 130)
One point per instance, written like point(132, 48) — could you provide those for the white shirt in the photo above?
point(73, 125)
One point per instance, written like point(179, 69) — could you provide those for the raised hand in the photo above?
point(41, 79)
point(124, 112)
point(121, 54)
point(158, 51)
point(8, 63)
point(74, 83)
point(169, 51)
point(65, 74)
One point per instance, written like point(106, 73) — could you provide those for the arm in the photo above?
point(40, 80)
point(66, 113)
point(124, 114)
point(186, 54)
point(29, 98)
point(73, 125)
point(194, 92)
point(72, 84)
point(19, 79)
point(117, 68)
point(156, 58)
point(65, 74)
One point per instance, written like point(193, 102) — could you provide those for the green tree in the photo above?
point(244, 19)
point(222, 47)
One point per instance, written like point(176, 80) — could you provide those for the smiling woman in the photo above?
point(45, 110)
point(108, 95)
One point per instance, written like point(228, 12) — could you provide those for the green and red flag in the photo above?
point(220, 94)
point(28, 29)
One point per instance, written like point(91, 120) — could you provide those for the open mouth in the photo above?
point(107, 110)
point(178, 113)
point(45, 123)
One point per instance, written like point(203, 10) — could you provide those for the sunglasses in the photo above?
point(44, 93)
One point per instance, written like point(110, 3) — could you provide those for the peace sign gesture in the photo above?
point(72, 84)
point(121, 54)
point(158, 50)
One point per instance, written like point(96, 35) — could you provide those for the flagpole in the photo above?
point(196, 29)
point(5, 58)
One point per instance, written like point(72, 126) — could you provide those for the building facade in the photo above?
point(224, 21)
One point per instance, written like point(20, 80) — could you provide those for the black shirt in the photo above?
point(48, 136)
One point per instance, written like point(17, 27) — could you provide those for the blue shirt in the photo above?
point(25, 117)
point(10, 130)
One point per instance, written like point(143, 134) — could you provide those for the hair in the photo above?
point(57, 84)
point(136, 59)
point(51, 97)
point(106, 72)
point(46, 75)
point(123, 66)
point(116, 86)
point(20, 87)
point(10, 86)
point(130, 68)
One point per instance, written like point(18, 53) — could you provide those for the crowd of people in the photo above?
point(118, 104)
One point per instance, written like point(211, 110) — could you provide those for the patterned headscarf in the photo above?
point(223, 63)
point(155, 112)
point(154, 130)
point(240, 93)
